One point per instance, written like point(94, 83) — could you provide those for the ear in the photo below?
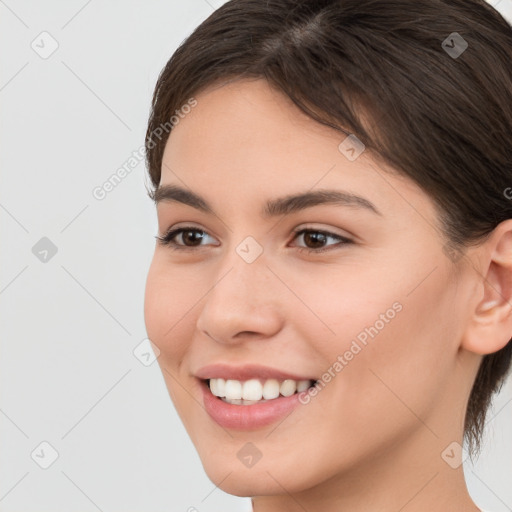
point(490, 326)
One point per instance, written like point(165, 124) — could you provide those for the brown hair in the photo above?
point(441, 118)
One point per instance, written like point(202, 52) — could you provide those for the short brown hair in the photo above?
point(442, 119)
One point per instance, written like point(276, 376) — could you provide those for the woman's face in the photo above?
point(376, 318)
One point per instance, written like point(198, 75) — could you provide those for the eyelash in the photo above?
point(166, 239)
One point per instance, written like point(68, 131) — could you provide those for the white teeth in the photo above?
point(270, 389)
point(233, 390)
point(302, 385)
point(219, 387)
point(288, 387)
point(252, 391)
point(240, 402)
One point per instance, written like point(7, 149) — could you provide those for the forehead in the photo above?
point(246, 117)
point(247, 136)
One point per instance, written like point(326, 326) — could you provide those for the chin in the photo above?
point(263, 479)
point(245, 483)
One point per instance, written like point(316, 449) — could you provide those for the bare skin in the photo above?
point(373, 438)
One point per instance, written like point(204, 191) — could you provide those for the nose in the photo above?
point(242, 304)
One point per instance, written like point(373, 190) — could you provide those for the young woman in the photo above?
point(331, 286)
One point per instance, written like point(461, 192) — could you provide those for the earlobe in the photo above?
point(490, 326)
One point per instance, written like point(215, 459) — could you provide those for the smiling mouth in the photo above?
point(255, 391)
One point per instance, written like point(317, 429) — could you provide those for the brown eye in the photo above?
point(315, 240)
point(190, 238)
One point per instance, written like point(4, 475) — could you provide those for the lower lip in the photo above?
point(247, 417)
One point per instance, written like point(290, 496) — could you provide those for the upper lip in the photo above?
point(246, 372)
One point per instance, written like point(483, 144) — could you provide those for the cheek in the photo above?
point(343, 304)
point(169, 309)
point(393, 336)
point(169, 317)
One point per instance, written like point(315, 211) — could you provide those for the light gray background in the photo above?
point(70, 325)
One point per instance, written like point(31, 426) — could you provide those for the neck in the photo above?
point(404, 478)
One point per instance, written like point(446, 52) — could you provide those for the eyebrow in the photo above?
point(274, 207)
